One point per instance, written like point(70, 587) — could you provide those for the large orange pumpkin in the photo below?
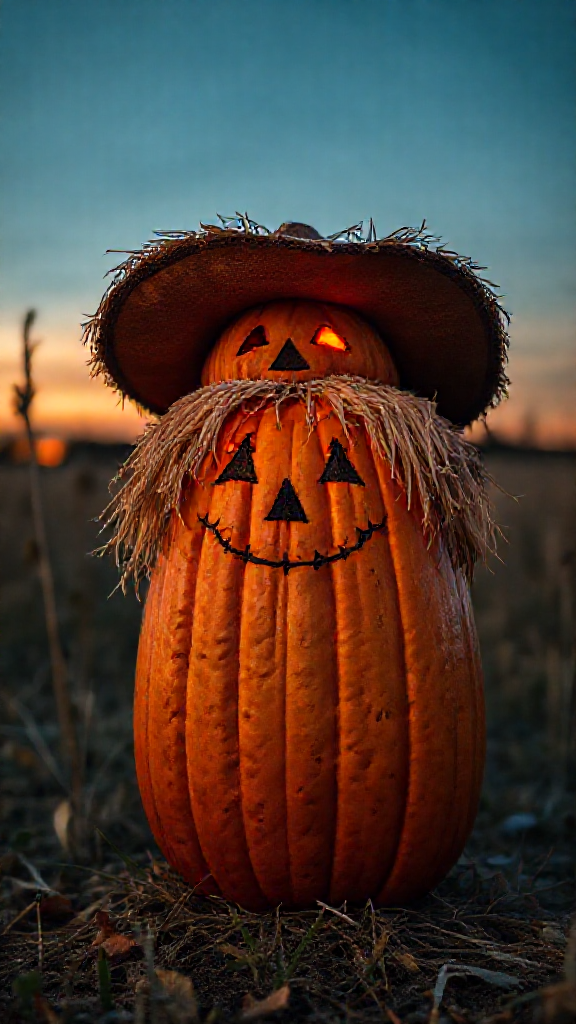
point(308, 712)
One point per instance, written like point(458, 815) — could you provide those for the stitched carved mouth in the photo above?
point(284, 563)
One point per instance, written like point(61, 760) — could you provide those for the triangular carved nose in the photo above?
point(287, 505)
point(289, 358)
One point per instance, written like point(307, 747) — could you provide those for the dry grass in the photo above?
point(339, 963)
point(503, 911)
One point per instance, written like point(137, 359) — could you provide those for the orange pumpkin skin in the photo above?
point(299, 320)
point(317, 735)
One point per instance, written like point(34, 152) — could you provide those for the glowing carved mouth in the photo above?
point(284, 563)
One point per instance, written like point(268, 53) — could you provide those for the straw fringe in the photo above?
point(427, 455)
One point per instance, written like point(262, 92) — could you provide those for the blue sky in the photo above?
point(122, 116)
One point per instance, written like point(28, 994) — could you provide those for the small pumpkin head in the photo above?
point(298, 340)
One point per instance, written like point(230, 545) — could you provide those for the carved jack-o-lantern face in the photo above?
point(298, 340)
point(294, 340)
point(288, 507)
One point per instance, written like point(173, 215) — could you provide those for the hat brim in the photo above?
point(168, 304)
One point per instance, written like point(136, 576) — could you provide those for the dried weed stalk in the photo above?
point(24, 397)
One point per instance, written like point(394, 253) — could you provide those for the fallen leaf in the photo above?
point(278, 1000)
point(61, 821)
point(407, 961)
point(113, 942)
point(105, 927)
point(118, 944)
point(177, 996)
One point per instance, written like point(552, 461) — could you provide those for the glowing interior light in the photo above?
point(326, 336)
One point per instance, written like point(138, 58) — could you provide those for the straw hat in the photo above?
point(168, 303)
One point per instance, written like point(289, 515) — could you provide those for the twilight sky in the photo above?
point(118, 118)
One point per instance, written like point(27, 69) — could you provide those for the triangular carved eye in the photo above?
point(339, 469)
point(256, 339)
point(241, 465)
point(327, 338)
point(287, 506)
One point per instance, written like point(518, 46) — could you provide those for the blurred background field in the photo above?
point(119, 119)
point(521, 859)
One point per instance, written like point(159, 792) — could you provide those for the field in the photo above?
point(501, 919)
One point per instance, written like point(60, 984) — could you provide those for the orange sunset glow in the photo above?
point(394, 141)
point(71, 404)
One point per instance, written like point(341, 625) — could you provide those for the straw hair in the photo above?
point(428, 457)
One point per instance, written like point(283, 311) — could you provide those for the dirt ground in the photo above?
point(98, 929)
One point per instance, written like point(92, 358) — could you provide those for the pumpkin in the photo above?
point(310, 339)
point(308, 709)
